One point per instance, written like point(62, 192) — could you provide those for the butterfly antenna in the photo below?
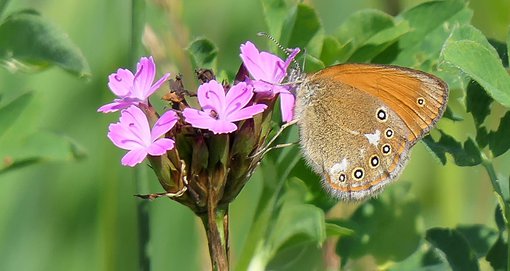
point(285, 50)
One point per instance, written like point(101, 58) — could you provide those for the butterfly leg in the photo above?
point(267, 147)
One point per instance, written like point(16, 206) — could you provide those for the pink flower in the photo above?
point(133, 133)
point(219, 109)
point(133, 89)
point(269, 70)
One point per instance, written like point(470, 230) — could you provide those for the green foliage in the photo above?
point(203, 53)
point(30, 43)
point(455, 247)
point(376, 224)
point(81, 214)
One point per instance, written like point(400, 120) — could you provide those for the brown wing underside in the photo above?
point(400, 89)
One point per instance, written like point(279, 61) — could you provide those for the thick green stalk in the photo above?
point(142, 182)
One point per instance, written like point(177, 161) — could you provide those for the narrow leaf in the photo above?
point(30, 43)
point(10, 112)
point(336, 230)
point(38, 148)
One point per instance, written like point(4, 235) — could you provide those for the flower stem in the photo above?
point(141, 180)
point(216, 228)
point(505, 206)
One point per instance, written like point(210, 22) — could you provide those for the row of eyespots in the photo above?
point(374, 161)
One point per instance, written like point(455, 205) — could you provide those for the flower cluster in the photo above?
point(188, 146)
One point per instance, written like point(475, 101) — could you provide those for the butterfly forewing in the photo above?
point(418, 98)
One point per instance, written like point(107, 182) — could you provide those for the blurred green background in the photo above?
point(81, 215)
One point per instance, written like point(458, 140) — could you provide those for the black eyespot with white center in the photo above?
point(382, 115)
point(420, 101)
point(342, 177)
point(388, 133)
point(374, 161)
point(358, 173)
point(386, 149)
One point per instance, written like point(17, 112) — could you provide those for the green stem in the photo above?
point(505, 207)
point(142, 187)
point(141, 180)
point(216, 228)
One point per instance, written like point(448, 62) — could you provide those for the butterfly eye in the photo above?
point(374, 161)
point(388, 133)
point(382, 115)
point(342, 178)
point(358, 173)
point(386, 149)
point(420, 102)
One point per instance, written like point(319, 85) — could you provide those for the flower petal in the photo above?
point(136, 122)
point(117, 105)
point(145, 74)
point(121, 82)
point(246, 113)
point(160, 146)
point(164, 124)
point(201, 119)
point(262, 65)
point(287, 103)
point(211, 95)
point(222, 127)
point(122, 137)
point(197, 118)
point(134, 157)
point(238, 97)
point(157, 85)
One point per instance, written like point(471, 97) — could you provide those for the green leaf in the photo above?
point(301, 27)
point(479, 63)
point(469, 32)
point(275, 12)
point(466, 154)
point(497, 256)
point(359, 28)
point(498, 140)
point(508, 46)
point(3, 4)
point(479, 237)
point(38, 148)
point(304, 221)
point(336, 230)
point(377, 223)
point(431, 24)
point(30, 43)
point(477, 103)
point(10, 112)
point(203, 53)
point(501, 49)
point(330, 50)
point(455, 247)
point(449, 114)
point(379, 42)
